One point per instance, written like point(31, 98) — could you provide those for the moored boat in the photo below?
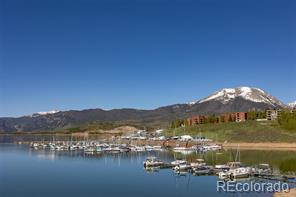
point(203, 170)
point(236, 173)
point(262, 170)
point(157, 148)
point(221, 167)
point(178, 162)
point(152, 162)
point(90, 150)
point(182, 167)
point(198, 163)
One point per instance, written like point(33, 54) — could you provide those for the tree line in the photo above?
point(287, 120)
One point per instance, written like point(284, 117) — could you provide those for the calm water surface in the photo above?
point(25, 172)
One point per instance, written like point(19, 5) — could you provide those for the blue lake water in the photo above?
point(33, 173)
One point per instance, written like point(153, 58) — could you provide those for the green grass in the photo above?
point(92, 128)
point(249, 131)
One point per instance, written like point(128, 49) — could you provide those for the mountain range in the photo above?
point(224, 100)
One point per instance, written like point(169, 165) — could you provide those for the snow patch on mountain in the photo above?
point(42, 113)
point(292, 104)
point(192, 103)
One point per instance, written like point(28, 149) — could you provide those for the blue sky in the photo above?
point(77, 54)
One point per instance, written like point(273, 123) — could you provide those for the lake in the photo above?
point(26, 172)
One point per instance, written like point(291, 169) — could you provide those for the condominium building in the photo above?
point(273, 114)
point(241, 116)
point(227, 117)
point(195, 120)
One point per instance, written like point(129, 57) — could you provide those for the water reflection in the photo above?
point(283, 162)
point(288, 165)
point(77, 174)
point(49, 156)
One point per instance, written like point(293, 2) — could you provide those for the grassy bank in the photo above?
point(250, 131)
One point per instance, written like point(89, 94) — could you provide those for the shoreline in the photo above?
point(285, 146)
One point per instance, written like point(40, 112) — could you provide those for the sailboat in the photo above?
point(236, 170)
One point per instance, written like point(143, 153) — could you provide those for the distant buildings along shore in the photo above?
point(267, 115)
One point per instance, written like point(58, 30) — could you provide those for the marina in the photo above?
point(101, 164)
point(232, 170)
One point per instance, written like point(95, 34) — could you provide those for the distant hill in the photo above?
point(225, 100)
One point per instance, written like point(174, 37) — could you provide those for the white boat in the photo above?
point(178, 162)
point(59, 147)
point(148, 148)
point(34, 145)
point(203, 170)
point(104, 145)
point(73, 147)
point(185, 138)
point(139, 149)
point(236, 173)
point(224, 171)
point(234, 164)
point(242, 172)
point(263, 169)
point(51, 146)
point(223, 175)
point(125, 149)
point(198, 163)
point(162, 138)
point(152, 162)
point(182, 167)
point(157, 148)
point(99, 149)
point(89, 150)
point(113, 149)
point(221, 168)
point(213, 147)
point(184, 150)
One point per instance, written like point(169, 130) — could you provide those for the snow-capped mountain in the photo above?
point(292, 104)
point(256, 95)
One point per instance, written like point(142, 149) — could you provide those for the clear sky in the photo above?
point(77, 54)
